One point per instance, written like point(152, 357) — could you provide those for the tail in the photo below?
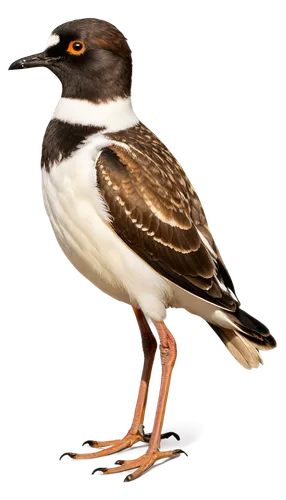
point(244, 336)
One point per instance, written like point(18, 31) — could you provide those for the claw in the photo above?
point(118, 461)
point(126, 479)
point(97, 470)
point(66, 454)
point(87, 444)
point(102, 444)
point(184, 433)
point(177, 452)
point(62, 456)
point(185, 452)
point(130, 478)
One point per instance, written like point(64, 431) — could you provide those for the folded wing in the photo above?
point(157, 213)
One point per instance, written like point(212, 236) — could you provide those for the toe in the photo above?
point(124, 465)
point(110, 447)
point(128, 440)
point(141, 464)
point(147, 461)
point(143, 468)
point(102, 444)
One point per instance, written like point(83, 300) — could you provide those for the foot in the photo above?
point(174, 440)
point(100, 448)
point(141, 464)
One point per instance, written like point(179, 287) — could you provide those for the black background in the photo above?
point(214, 98)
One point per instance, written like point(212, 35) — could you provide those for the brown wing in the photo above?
point(157, 213)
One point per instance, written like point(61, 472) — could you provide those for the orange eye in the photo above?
point(77, 47)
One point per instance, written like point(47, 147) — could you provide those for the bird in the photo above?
point(127, 217)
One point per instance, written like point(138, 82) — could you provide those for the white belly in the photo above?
point(81, 224)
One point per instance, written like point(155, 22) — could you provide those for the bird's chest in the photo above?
point(77, 211)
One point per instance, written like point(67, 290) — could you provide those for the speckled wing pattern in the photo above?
point(157, 213)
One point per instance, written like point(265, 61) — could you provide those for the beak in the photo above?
point(33, 61)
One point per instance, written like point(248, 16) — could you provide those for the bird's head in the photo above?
point(91, 58)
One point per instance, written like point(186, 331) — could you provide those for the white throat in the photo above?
point(113, 115)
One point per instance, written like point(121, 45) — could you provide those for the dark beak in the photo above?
point(33, 61)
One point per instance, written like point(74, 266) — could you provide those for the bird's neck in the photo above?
point(113, 115)
point(76, 119)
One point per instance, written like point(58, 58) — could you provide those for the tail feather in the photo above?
point(250, 323)
point(240, 348)
point(244, 336)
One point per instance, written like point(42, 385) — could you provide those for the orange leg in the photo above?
point(168, 352)
point(136, 432)
point(149, 345)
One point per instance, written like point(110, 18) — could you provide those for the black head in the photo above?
point(91, 58)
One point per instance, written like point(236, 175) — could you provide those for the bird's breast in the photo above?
point(81, 222)
point(78, 214)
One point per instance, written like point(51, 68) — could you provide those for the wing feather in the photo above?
point(156, 211)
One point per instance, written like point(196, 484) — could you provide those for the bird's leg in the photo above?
point(134, 434)
point(168, 352)
point(149, 345)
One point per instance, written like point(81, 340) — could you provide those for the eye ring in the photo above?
point(76, 47)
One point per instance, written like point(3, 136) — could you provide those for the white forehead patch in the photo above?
point(52, 40)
